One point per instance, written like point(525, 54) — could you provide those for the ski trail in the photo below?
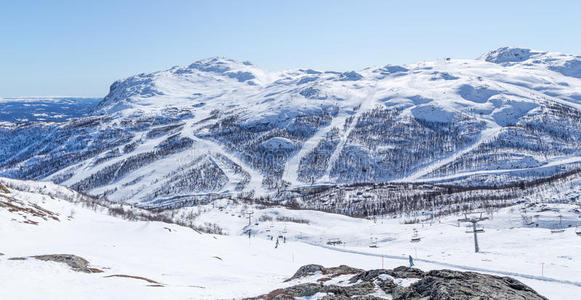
point(565, 161)
point(366, 104)
point(233, 177)
point(256, 177)
point(486, 135)
point(292, 165)
point(456, 266)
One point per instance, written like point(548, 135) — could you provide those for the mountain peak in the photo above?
point(218, 64)
point(509, 55)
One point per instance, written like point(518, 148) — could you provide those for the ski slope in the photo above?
point(491, 116)
point(188, 264)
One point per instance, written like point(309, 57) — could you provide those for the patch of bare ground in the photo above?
point(3, 189)
point(76, 263)
point(155, 283)
point(26, 210)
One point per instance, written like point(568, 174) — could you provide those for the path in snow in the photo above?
point(233, 177)
point(461, 267)
point(485, 136)
point(292, 166)
point(557, 162)
point(255, 176)
point(365, 105)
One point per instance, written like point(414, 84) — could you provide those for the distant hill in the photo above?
point(50, 109)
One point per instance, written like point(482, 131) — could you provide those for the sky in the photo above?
point(78, 48)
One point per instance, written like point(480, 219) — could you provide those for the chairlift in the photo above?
point(416, 237)
point(334, 242)
point(479, 229)
point(559, 229)
point(373, 243)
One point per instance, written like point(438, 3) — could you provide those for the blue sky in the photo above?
point(79, 48)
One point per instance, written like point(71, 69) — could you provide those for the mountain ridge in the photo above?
point(224, 127)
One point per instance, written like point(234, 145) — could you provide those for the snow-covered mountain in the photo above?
point(220, 126)
point(47, 109)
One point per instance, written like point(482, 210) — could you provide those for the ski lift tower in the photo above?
point(249, 216)
point(474, 220)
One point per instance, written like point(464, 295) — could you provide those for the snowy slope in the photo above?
point(221, 127)
point(188, 264)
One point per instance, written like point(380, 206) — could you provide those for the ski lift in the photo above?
point(334, 242)
point(373, 243)
point(416, 237)
point(527, 220)
point(559, 229)
point(479, 229)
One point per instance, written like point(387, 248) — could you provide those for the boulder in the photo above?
point(76, 263)
point(382, 284)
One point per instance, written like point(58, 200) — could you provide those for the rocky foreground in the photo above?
point(344, 282)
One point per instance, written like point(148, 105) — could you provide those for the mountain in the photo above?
point(222, 127)
point(47, 109)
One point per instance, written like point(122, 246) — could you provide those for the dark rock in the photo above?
point(309, 270)
point(406, 272)
point(3, 189)
point(368, 275)
point(300, 290)
point(455, 285)
point(358, 289)
point(76, 263)
point(433, 285)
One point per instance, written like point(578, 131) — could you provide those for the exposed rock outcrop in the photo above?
point(76, 263)
point(399, 284)
point(3, 189)
point(447, 284)
point(309, 270)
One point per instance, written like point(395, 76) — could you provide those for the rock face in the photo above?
point(399, 284)
point(309, 270)
point(3, 189)
point(447, 284)
point(76, 263)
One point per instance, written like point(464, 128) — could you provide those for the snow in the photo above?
point(432, 114)
point(499, 90)
point(509, 54)
point(203, 266)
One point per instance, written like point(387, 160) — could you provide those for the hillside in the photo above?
point(69, 245)
point(221, 127)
